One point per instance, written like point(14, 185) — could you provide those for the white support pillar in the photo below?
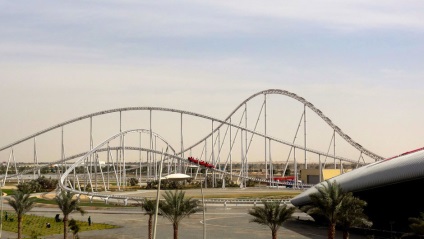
point(304, 131)
point(265, 139)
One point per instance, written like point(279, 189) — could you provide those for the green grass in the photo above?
point(255, 195)
point(36, 225)
point(83, 203)
point(9, 191)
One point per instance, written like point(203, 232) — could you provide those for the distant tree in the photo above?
point(327, 202)
point(352, 214)
point(47, 184)
point(26, 187)
point(165, 184)
point(41, 184)
point(250, 183)
point(272, 214)
point(149, 207)
point(88, 187)
point(288, 172)
point(132, 181)
point(67, 205)
point(176, 207)
point(21, 203)
point(228, 182)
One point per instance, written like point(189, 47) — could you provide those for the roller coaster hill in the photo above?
point(270, 126)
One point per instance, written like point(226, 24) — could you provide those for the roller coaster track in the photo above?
point(224, 122)
point(325, 118)
point(178, 155)
point(165, 156)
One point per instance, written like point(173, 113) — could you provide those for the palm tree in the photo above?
point(417, 227)
point(272, 215)
point(352, 214)
point(149, 207)
point(21, 203)
point(327, 202)
point(67, 205)
point(176, 207)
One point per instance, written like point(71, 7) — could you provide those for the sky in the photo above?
point(360, 62)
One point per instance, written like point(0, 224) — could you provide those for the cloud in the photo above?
point(342, 15)
point(108, 20)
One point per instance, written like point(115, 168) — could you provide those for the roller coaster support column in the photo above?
point(304, 131)
point(213, 157)
point(266, 161)
point(295, 169)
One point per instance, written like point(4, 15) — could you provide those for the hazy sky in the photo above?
point(360, 62)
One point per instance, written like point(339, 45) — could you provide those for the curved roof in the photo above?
point(405, 167)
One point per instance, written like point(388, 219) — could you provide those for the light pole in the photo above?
point(203, 200)
point(174, 177)
point(204, 208)
point(1, 213)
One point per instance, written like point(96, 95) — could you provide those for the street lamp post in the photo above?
point(157, 199)
point(174, 177)
point(204, 209)
point(203, 200)
point(1, 210)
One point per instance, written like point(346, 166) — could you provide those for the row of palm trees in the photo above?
point(343, 209)
point(174, 207)
point(22, 203)
point(330, 202)
point(338, 208)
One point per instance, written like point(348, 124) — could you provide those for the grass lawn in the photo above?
point(9, 191)
point(257, 195)
point(33, 225)
point(83, 203)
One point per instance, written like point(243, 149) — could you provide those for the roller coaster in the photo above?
point(150, 137)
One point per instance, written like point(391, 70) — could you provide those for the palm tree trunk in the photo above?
point(331, 230)
point(150, 226)
point(65, 226)
point(345, 234)
point(175, 230)
point(19, 226)
point(274, 234)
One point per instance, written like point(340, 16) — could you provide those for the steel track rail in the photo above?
point(310, 106)
point(138, 199)
point(224, 122)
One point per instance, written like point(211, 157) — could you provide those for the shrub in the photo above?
point(133, 181)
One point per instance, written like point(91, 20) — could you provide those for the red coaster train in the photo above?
point(200, 162)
